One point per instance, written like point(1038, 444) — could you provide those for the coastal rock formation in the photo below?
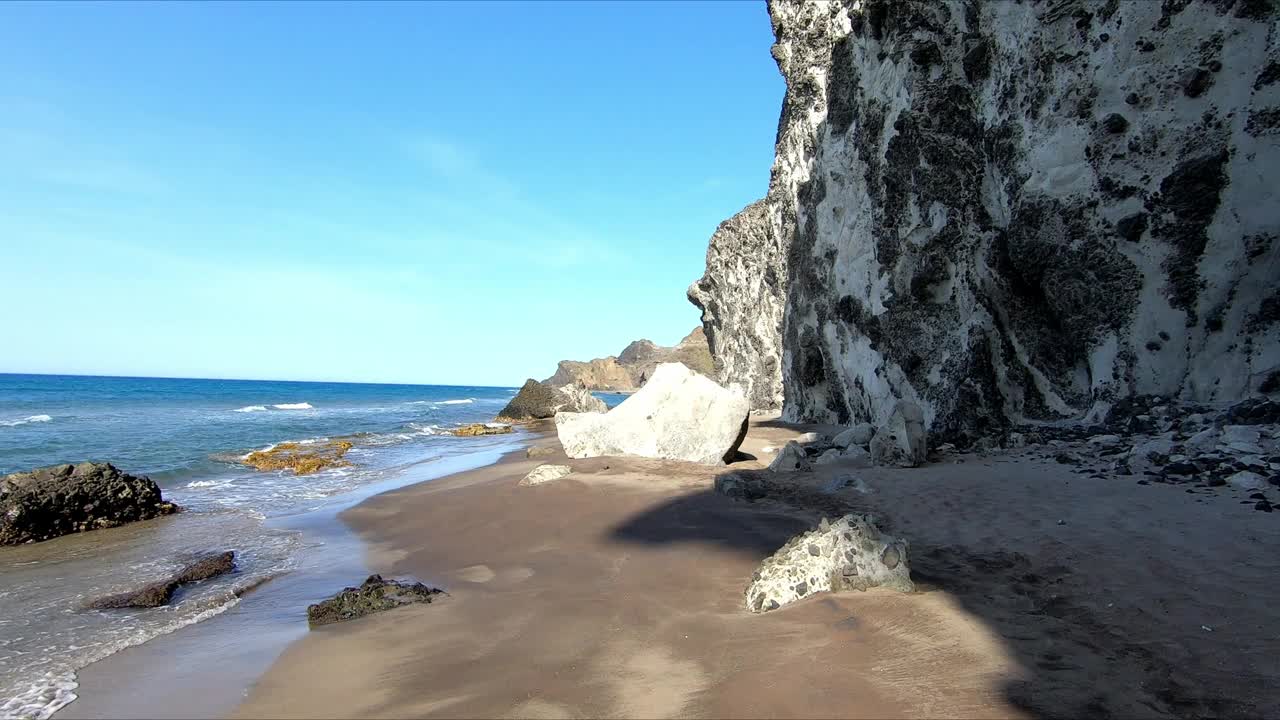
point(303, 458)
point(545, 473)
point(635, 364)
point(677, 415)
point(537, 401)
point(902, 439)
point(846, 554)
point(1018, 213)
point(791, 458)
point(741, 297)
point(477, 429)
point(160, 593)
point(373, 596)
point(62, 499)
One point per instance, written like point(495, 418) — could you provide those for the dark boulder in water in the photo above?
point(375, 595)
point(63, 499)
point(160, 593)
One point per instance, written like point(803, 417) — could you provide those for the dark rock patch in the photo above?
point(373, 596)
point(160, 593)
point(63, 499)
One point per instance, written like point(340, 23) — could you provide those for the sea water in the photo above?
point(188, 436)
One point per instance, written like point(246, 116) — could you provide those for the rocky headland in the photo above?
point(630, 369)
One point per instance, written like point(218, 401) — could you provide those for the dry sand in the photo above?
point(617, 592)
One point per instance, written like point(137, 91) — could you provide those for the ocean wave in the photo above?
point(467, 401)
point(251, 408)
point(293, 406)
point(209, 483)
point(25, 420)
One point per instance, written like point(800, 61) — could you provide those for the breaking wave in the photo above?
point(25, 420)
point(293, 406)
point(252, 408)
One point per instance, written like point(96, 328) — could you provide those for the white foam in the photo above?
point(293, 406)
point(25, 420)
point(251, 408)
point(468, 401)
point(208, 483)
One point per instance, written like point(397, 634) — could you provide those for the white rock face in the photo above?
point(741, 298)
point(581, 399)
point(1011, 212)
point(847, 554)
point(859, 434)
point(791, 458)
point(545, 473)
point(677, 415)
point(902, 440)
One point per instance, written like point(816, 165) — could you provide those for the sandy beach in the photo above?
point(617, 592)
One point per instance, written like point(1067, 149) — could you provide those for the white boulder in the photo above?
point(902, 439)
point(859, 434)
point(580, 399)
point(677, 415)
point(791, 459)
point(545, 473)
point(846, 554)
point(1245, 480)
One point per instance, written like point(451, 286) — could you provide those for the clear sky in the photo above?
point(436, 193)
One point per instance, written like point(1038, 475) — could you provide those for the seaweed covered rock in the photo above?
point(538, 401)
point(373, 596)
point(845, 554)
point(677, 415)
point(477, 429)
point(160, 593)
point(62, 499)
point(303, 458)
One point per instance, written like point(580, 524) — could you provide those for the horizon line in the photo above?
point(172, 377)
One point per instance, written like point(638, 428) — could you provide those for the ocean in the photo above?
point(188, 436)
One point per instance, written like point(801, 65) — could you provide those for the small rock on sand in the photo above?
point(373, 596)
point(545, 473)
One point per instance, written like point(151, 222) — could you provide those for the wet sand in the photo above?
point(617, 592)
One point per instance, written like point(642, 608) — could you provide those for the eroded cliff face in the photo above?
point(1012, 212)
point(741, 297)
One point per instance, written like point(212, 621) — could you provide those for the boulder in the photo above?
point(901, 440)
point(828, 457)
point(537, 452)
point(538, 401)
point(1245, 480)
point(160, 593)
point(545, 473)
point(859, 434)
point(62, 499)
point(791, 458)
point(373, 596)
point(846, 554)
point(677, 415)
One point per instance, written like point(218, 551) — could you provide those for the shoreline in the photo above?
point(617, 592)
point(205, 669)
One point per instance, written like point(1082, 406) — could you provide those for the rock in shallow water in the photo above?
point(677, 415)
point(373, 596)
point(846, 554)
point(160, 593)
point(62, 499)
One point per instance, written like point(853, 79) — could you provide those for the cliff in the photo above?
point(1010, 212)
point(628, 370)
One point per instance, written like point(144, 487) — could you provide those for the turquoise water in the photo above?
point(188, 435)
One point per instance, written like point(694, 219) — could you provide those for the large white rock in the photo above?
point(848, 554)
point(581, 399)
point(791, 458)
point(902, 440)
point(859, 434)
point(677, 415)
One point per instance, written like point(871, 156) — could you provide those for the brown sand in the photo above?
point(617, 592)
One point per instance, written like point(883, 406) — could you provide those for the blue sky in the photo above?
point(437, 193)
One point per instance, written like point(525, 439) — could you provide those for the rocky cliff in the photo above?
point(629, 369)
point(1015, 211)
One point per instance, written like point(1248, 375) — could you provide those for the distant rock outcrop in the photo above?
point(538, 401)
point(63, 499)
point(1009, 212)
point(677, 415)
point(631, 368)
